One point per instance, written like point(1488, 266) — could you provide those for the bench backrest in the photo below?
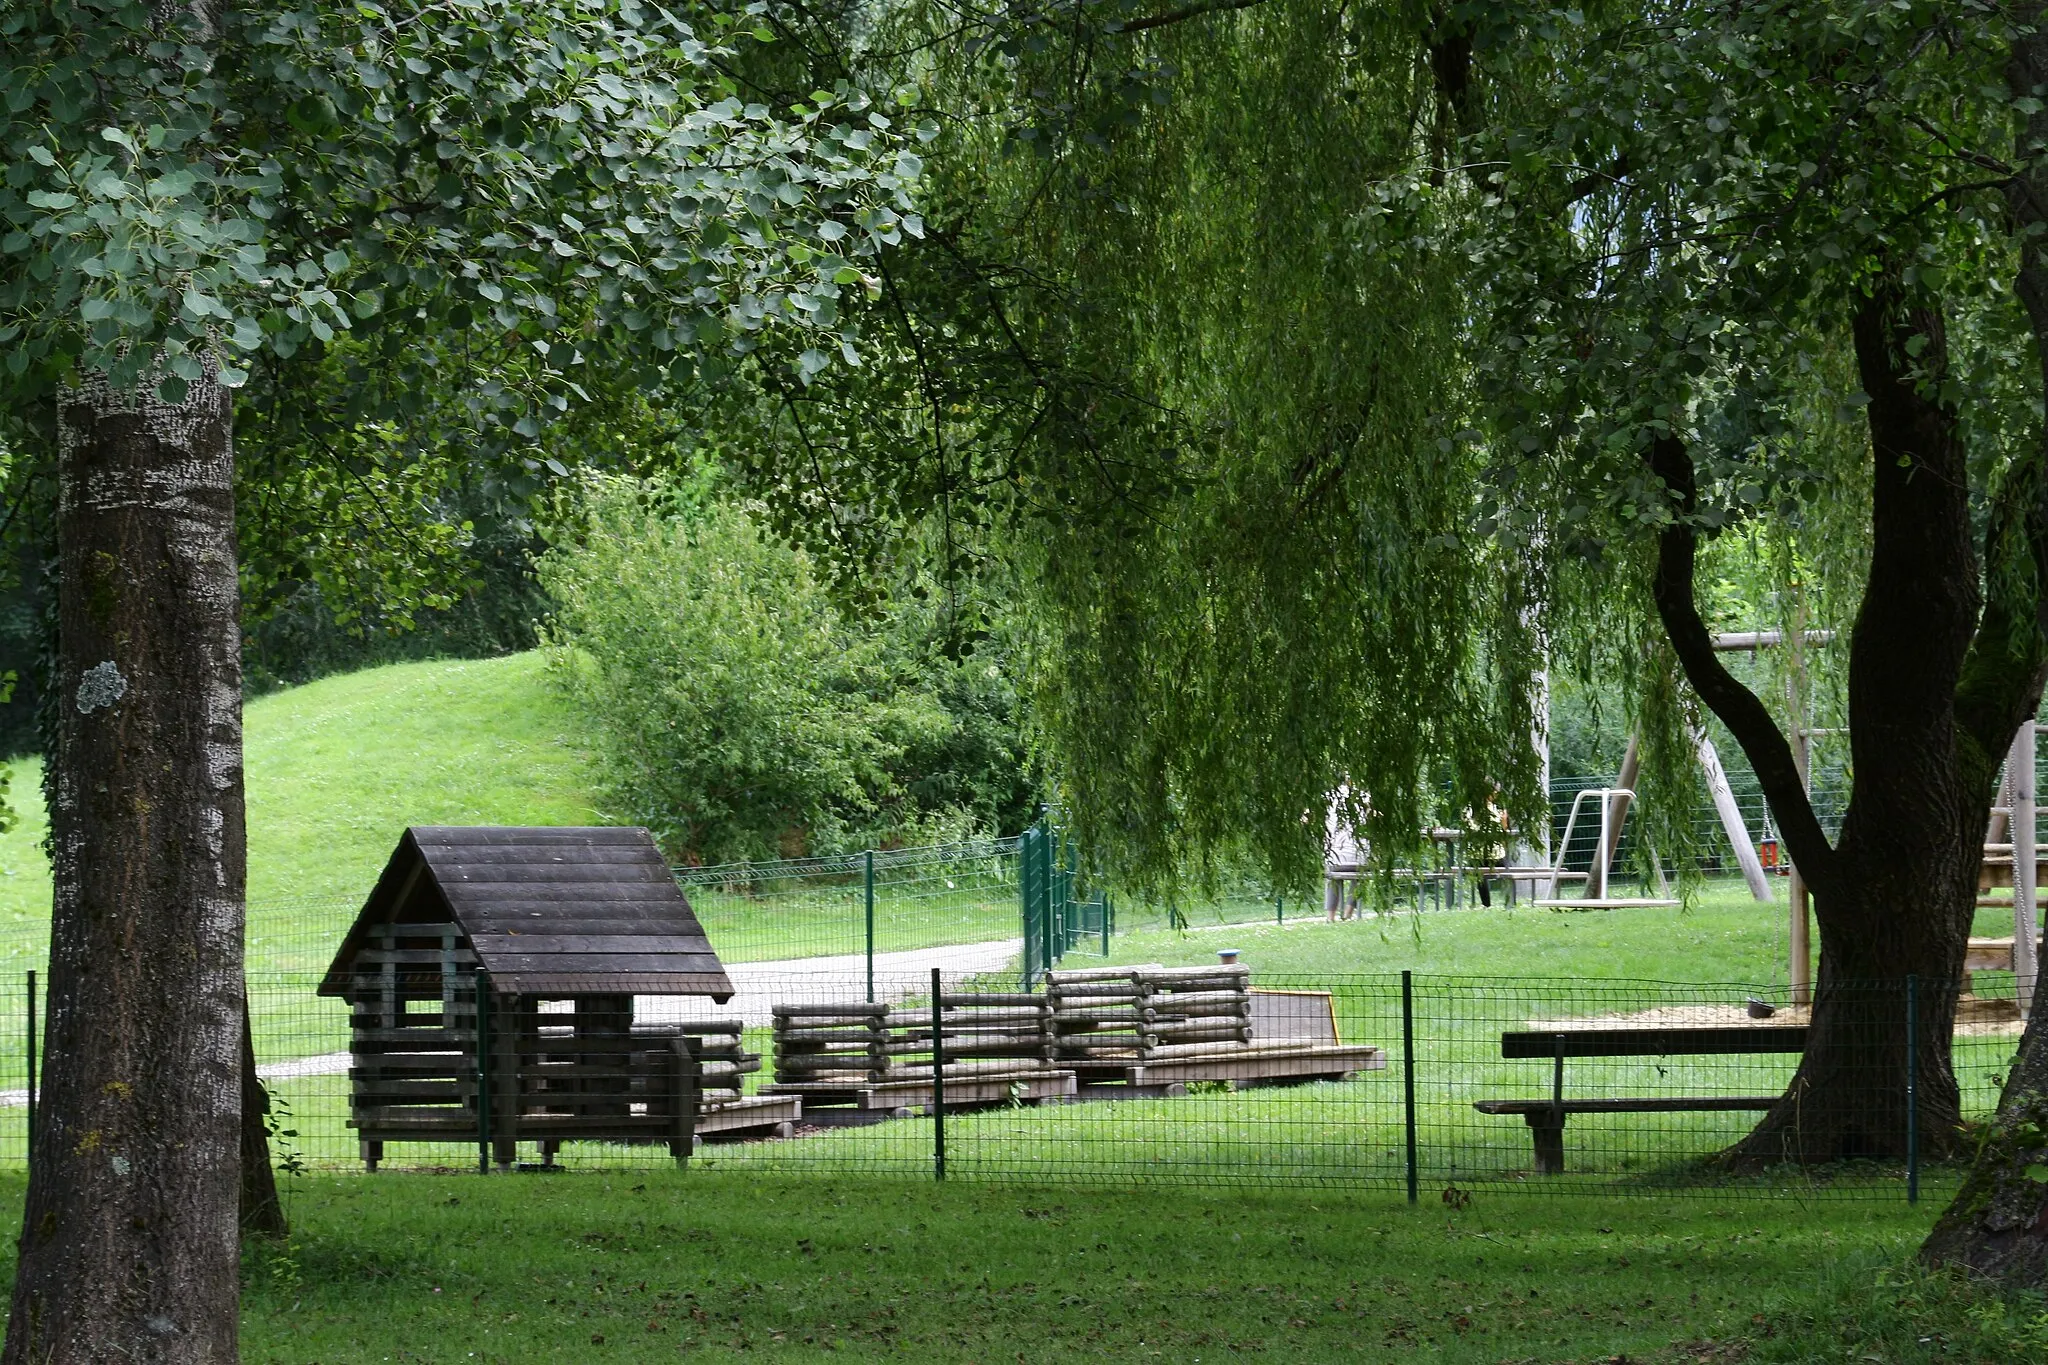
point(1653, 1042)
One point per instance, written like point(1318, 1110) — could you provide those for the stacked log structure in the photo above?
point(1148, 1013)
point(861, 1042)
point(726, 1064)
point(831, 1042)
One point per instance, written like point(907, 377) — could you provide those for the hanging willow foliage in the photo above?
point(1299, 363)
point(1310, 610)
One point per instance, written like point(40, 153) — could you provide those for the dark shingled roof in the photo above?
point(548, 910)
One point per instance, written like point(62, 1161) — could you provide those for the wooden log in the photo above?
point(725, 1066)
point(1223, 1049)
point(841, 1061)
point(798, 1042)
point(853, 1011)
point(1180, 1000)
point(965, 1018)
point(783, 1029)
point(819, 1073)
point(996, 1066)
point(954, 1040)
point(1098, 1016)
point(1061, 978)
point(1212, 1009)
point(1191, 973)
point(1196, 1032)
point(1075, 990)
point(991, 999)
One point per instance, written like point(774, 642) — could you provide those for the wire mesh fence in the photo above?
point(1114, 1075)
point(884, 901)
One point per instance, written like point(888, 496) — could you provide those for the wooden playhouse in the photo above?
point(565, 926)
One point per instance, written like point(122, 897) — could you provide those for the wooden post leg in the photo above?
point(1546, 1127)
point(689, 1093)
point(373, 1152)
point(514, 1022)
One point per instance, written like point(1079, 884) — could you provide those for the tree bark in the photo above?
point(1937, 685)
point(129, 1249)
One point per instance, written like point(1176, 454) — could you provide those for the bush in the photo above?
point(739, 714)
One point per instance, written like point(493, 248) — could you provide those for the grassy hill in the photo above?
point(336, 769)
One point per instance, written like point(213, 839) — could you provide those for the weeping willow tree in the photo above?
point(1179, 352)
point(1323, 373)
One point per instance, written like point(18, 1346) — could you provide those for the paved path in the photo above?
point(760, 986)
point(897, 975)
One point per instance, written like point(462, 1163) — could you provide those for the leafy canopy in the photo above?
point(565, 186)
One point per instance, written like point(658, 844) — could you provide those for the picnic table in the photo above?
point(1546, 1117)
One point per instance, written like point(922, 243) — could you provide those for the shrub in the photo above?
point(738, 713)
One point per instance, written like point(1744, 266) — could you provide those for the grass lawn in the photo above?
point(336, 770)
point(1724, 935)
point(713, 1267)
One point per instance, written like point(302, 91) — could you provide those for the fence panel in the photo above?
point(1295, 1080)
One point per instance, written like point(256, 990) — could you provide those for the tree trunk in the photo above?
point(129, 1248)
point(1998, 1225)
point(1939, 680)
point(262, 1214)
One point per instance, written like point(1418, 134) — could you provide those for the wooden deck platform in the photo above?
point(1275, 1064)
point(1035, 1086)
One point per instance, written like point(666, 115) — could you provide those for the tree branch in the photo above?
point(1182, 15)
point(1725, 695)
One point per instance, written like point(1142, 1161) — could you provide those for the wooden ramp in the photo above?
point(755, 1115)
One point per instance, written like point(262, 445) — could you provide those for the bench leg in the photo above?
point(1548, 1131)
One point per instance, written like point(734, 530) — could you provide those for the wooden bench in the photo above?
point(1546, 1118)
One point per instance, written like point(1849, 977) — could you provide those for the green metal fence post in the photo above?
point(1912, 1089)
point(1024, 900)
point(1104, 896)
point(870, 899)
point(1051, 954)
point(482, 979)
point(1280, 908)
point(938, 1082)
point(1408, 1072)
point(31, 1146)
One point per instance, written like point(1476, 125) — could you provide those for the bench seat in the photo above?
point(1546, 1117)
